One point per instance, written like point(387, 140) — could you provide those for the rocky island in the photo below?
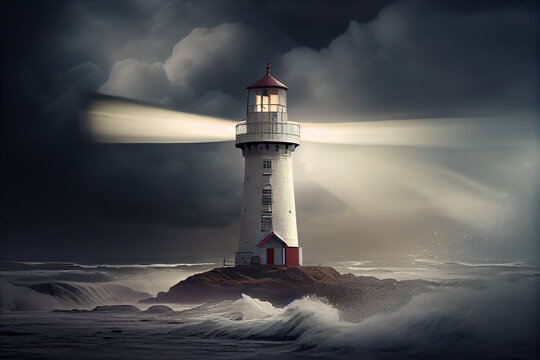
point(356, 297)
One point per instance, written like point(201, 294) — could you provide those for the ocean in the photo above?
point(480, 311)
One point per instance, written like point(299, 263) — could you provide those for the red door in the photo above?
point(270, 256)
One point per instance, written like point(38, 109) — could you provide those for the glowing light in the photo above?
point(118, 121)
point(438, 132)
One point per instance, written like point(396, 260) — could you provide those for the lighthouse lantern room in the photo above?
point(268, 232)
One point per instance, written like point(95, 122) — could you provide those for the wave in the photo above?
point(56, 275)
point(428, 261)
point(505, 264)
point(498, 320)
point(35, 265)
point(475, 264)
point(145, 266)
point(355, 268)
point(252, 319)
point(99, 278)
point(63, 295)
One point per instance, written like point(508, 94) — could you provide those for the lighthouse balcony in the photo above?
point(272, 116)
point(267, 131)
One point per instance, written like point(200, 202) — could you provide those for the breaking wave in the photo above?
point(468, 323)
point(30, 286)
point(36, 265)
point(63, 295)
point(494, 316)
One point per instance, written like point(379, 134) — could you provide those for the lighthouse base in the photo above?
point(285, 256)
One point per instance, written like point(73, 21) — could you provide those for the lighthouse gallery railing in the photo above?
point(288, 128)
point(266, 131)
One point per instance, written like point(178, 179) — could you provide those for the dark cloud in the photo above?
point(415, 60)
point(136, 80)
point(64, 197)
point(184, 185)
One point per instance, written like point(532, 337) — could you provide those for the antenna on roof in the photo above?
point(267, 68)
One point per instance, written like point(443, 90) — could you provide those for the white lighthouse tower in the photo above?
point(268, 232)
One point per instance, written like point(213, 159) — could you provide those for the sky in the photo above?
point(456, 80)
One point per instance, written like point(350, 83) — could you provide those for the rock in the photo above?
point(71, 311)
point(356, 297)
point(116, 308)
point(159, 309)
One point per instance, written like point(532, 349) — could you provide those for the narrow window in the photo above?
point(267, 164)
point(274, 100)
point(262, 101)
point(267, 199)
point(266, 222)
point(266, 209)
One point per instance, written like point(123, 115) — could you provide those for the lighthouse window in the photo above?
point(261, 101)
point(265, 100)
point(267, 164)
point(266, 222)
point(274, 102)
point(266, 209)
point(267, 199)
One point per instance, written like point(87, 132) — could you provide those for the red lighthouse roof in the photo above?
point(267, 81)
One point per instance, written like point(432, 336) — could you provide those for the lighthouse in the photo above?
point(267, 139)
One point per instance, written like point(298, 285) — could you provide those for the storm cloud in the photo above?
point(64, 197)
point(415, 59)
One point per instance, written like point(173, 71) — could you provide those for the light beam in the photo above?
point(116, 120)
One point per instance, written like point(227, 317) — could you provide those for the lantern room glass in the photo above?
point(267, 100)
